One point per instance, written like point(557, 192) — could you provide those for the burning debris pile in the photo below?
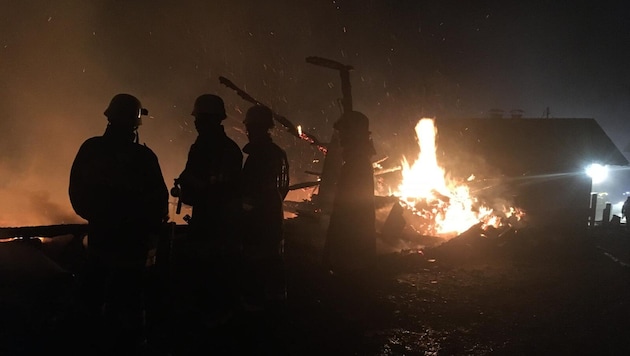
point(434, 205)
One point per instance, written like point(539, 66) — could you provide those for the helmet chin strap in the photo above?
point(137, 134)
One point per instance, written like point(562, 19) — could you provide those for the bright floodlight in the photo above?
point(597, 172)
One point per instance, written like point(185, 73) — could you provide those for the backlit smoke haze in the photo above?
point(61, 62)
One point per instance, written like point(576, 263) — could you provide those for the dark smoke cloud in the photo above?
point(61, 62)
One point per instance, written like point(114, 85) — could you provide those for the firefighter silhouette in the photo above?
point(351, 237)
point(211, 183)
point(265, 185)
point(117, 185)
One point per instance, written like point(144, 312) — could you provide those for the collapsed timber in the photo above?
point(78, 230)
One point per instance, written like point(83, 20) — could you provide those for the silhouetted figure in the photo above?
point(350, 242)
point(265, 185)
point(625, 211)
point(117, 185)
point(211, 183)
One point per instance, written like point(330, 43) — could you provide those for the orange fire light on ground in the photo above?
point(445, 208)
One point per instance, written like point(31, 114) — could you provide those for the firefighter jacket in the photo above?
point(265, 185)
point(210, 183)
point(118, 187)
point(351, 236)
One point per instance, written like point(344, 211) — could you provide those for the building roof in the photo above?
point(524, 146)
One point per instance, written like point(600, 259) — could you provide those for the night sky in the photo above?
point(62, 61)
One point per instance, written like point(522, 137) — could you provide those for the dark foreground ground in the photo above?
point(531, 292)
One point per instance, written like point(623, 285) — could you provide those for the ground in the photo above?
point(532, 291)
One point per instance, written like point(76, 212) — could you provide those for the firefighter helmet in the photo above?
point(125, 110)
point(259, 116)
point(353, 121)
point(209, 104)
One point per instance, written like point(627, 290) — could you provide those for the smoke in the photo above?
point(61, 62)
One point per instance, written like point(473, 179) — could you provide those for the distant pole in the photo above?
point(547, 113)
point(606, 215)
point(591, 217)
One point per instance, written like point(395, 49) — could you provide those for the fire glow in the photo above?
point(443, 208)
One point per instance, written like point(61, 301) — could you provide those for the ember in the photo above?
point(442, 206)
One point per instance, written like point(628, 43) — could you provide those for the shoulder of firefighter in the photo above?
point(209, 168)
point(280, 173)
point(114, 187)
point(265, 172)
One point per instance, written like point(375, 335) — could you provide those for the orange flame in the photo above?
point(446, 208)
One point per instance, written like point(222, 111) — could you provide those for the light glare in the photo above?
point(597, 172)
